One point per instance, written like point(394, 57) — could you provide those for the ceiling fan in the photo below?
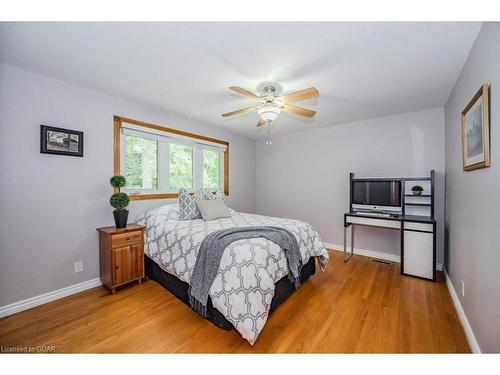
point(271, 104)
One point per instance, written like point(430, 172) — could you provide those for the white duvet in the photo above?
point(249, 269)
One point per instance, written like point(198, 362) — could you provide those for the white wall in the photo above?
point(306, 176)
point(472, 198)
point(50, 205)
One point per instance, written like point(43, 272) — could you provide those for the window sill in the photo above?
point(140, 197)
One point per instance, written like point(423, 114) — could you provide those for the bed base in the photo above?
point(283, 289)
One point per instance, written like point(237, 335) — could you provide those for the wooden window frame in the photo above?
point(118, 121)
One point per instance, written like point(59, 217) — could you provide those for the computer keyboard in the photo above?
point(381, 214)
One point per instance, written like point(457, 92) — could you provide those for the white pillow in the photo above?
point(213, 209)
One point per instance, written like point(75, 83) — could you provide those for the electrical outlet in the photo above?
point(79, 266)
point(462, 287)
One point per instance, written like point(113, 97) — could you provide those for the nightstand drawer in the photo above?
point(127, 238)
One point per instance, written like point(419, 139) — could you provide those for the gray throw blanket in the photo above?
point(212, 248)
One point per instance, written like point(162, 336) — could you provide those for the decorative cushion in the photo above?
point(213, 209)
point(209, 194)
point(188, 210)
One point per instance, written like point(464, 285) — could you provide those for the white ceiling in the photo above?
point(362, 70)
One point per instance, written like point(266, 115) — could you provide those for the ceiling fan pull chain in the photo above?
point(268, 138)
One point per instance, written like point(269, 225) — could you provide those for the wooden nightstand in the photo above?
point(121, 255)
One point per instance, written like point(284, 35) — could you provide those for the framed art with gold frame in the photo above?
point(475, 131)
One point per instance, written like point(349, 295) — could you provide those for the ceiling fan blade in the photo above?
point(238, 111)
point(298, 110)
point(260, 123)
point(242, 91)
point(311, 92)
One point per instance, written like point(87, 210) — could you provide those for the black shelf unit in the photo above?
point(404, 180)
point(429, 178)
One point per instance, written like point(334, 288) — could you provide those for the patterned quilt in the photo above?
point(249, 269)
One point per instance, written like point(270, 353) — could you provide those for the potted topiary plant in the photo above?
point(417, 190)
point(119, 201)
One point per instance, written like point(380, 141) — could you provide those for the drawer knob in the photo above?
point(116, 267)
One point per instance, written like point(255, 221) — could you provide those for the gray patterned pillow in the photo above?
point(188, 210)
point(209, 195)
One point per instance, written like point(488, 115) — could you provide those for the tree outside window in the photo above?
point(141, 163)
point(211, 169)
point(181, 166)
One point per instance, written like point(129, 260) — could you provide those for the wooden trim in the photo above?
point(169, 130)
point(483, 91)
point(141, 197)
point(118, 120)
point(226, 171)
point(116, 147)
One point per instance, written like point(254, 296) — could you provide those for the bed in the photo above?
point(252, 277)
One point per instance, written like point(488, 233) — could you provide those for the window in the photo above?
point(158, 161)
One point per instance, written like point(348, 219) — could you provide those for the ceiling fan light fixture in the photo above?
point(268, 112)
point(271, 104)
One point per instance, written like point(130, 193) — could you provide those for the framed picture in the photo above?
point(60, 141)
point(475, 131)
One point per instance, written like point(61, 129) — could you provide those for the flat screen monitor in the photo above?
point(377, 194)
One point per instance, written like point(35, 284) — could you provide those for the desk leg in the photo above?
point(345, 242)
point(346, 255)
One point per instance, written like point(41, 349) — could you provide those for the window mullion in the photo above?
point(197, 168)
point(123, 164)
point(221, 170)
point(163, 166)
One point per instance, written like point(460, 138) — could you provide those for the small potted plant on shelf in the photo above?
point(119, 201)
point(417, 190)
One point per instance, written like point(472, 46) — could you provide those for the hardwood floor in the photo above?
point(358, 307)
